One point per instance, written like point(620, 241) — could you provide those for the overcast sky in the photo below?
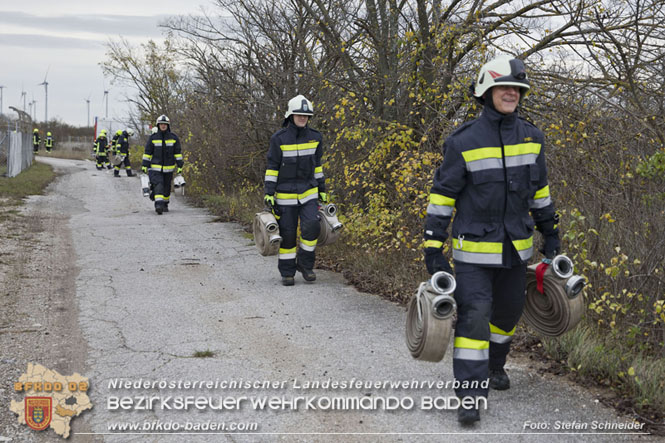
point(68, 38)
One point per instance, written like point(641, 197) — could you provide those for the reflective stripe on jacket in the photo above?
point(294, 173)
point(494, 178)
point(163, 152)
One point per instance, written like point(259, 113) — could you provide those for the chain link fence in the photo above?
point(15, 151)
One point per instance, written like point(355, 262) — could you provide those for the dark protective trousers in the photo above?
point(489, 305)
point(128, 166)
point(309, 233)
point(35, 148)
point(161, 187)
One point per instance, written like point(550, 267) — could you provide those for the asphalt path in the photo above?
point(180, 298)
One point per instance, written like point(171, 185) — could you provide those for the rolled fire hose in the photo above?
point(266, 233)
point(557, 305)
point(429, 319)
point(331, 227)
point(118, 159)
point(145, 185)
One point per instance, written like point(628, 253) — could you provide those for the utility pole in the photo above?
point(87, 100)
point(106, 97)
point(23, 94)
point(1, 88)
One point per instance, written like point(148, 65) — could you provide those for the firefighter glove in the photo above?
point(144, 169)
point(179, 171)
point(436, 262)
point(269, 200)
point(551, 246)
point(323, 197)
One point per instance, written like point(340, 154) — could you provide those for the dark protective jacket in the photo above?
point(294, 173)
point(48, 142)
point(122, 145)
point(163, 152)
point(100, 146)
point(114, 141)
point(494, 177)
point(36, 139)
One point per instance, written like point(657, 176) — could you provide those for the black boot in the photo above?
point(499, 380)
point(129, 173)
point(159, 210)
point(116, 173)
point(288, 281)
point(166, 208)
point(307, 274)
point(468, 417)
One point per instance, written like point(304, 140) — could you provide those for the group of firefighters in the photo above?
point(36, 140)
point(493, 178)
point(162, 157)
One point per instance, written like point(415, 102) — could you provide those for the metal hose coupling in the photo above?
point(429, 319)
point(330, 226)
point(266, 233)
point(559, 307)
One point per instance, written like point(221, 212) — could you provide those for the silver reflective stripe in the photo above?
point(525, 254)
point(159, 199)
point(477, 257)
point(313, 196)
point(318, 175)
point(289, 256)
point(520, 160)
point(305, 247)
point(286, 201)
point(289, 153)
point(486, 163)
point(498, 338)
point(170, 143)
point(541, 202)
point(445, 211)
point(304, 152)
point(155, 168)
point(157, 142)
point(271, 178)
point(471, 354)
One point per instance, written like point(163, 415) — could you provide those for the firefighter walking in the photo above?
point(101, 151)
point(494, 178)
point(162, 155)
point(36, 140)
point(294, 182)
point(48, 141)
point(122, 149)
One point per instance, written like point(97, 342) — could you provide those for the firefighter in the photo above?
point(48, 142)
point(162, 157)
point(494, 178)
point(122, 149)
point(36, 140)
point(114, 141)
point(101, 151)
point(294, 182)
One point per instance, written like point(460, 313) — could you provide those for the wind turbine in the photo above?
point(33, 103)
point(23, 94)
point(106, 99)
point(1, 88)
point(45, 83)
point(87, 100)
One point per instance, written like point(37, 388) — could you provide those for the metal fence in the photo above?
point(16, 150)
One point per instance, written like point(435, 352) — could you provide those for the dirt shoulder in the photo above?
point(39, 315)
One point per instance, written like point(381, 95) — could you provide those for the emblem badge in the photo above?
point(38, 412)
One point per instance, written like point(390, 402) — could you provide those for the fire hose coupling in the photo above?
point(563, 268)
point(330, 226)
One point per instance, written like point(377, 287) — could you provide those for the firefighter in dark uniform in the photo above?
point(294, 183)
point(494, 178)
point(161, 158)
point(101, 151)
point(122, 148)
point(48, 142)
point(36, 140)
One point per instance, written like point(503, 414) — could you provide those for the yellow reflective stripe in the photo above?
point(155, 142)
point(521, 149)
point(496, 330)
point(433, 244)
point(272, 172)
point(318, 169)
point(481, 246)
point(308, 193)
point(299, 147)
point(523, 244)
point(481, 153)
point(169, 168)
point(542, 193)
point(281, 196)
point(287, 251)
point(470, 343)
point(147, 157)
point(170, 141)
point(442, 200)
point(308, 242)
point(178, 156)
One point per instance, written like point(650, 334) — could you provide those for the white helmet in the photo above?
point(163, 119)
point(299, 105)
point(129, 131)
point(502, 70)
